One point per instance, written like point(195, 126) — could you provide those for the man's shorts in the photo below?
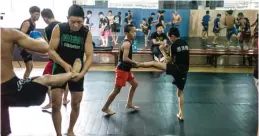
point(230, 32)
point(216, 30)
point(23, 92)
point(180, 76)
point(122, 77)
point(48, 68)
point(73, 86)
point(205, 27)
point(105, 33)
point(26, 56)
point(115, 27)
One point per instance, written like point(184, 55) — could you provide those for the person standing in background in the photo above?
point(205, 24)
point(27, 27)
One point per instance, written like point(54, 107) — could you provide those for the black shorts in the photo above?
point(22, 92)
point(179, 75)
point(26, 56)
point(115, 27)
point(205, 27)
point(149, 27)
point(145, 31)
point(73, 86)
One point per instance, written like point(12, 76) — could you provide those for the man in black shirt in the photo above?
point(28, 26)
point(158, 42)
point(117, 25)
point(177, 66)
point(104, 29)
point(88, 24)
point(161, 19)
point(123, 71)
point(70, 41)
point(49, 19)
point(150, 23)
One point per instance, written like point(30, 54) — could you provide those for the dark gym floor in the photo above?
point(215, 105)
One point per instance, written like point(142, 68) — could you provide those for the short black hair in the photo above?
point(144, 19)
point(100, 13)
point(207, 12)
point(218, 15)
point(89, 12)
point(110, 11)
point(76, 10)
point(129, 11)
point(153, 13)
point(127, 28)
point(174, 31)
point(158, 25)
point(34, 9)
point(119, 13)
point(47, 13)
point(240, 14)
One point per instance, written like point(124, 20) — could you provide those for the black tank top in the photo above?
point(72, 43)
point(125, 66)
point(87, 20)
point(31, 28)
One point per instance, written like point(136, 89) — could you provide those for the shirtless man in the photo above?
point(26, 92)
point(112, 25)
point(230, 22)
point(176, 19)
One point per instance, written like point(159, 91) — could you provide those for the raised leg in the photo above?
point(159, 65)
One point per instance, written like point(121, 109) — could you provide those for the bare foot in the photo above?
point(71, 134)
point(47, 106)
point(77, 66)
point(132, 107)
point(108, 111)
point(180, 116)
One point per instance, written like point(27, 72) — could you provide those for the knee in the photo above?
point(56, 105)
point(76, 105)
point(47, 79)
point(135, 85)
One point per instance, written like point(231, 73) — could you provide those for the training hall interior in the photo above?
point(220, 93)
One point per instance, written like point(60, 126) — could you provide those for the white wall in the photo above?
point(16, 11)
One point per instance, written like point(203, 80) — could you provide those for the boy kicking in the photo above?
point(123, 73)
point(177, 66)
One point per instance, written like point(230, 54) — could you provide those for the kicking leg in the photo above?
point(159, 65)
point(110, 99)
point(132, 90)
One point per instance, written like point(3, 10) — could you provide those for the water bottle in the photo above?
point(135, 44)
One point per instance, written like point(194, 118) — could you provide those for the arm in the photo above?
point(126, 48)
point(180, 20)
point(37, 45)
point(88, 53)
point(54, 42)
point(25, 27)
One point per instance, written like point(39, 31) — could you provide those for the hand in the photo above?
point(35, 34)
point(77, 77)
point(67, 67)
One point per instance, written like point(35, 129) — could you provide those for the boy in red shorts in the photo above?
point(49, 19)
point(123, 73)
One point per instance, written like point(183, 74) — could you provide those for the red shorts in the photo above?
point(48, 68)
point(105, 33)
point(122, 77)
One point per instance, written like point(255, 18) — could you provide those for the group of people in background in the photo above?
point(237, 27)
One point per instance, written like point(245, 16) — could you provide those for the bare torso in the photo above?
point(7, 47)
point(230, 22)
point(176, 18)
point(111, 19)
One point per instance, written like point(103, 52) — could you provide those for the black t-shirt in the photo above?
point(103, 21)
point(117, 19)
point(180, 54)
point(49, 29)
point(150, 20)
point(31, 27)
point(158, 37)
point(160, 19)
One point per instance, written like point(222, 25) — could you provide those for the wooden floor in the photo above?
point(110, 67)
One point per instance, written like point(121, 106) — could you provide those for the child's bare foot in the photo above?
point(180, 116)
point(108, 111)
point(77, 66)
point(130, 106)
point(47, 106)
